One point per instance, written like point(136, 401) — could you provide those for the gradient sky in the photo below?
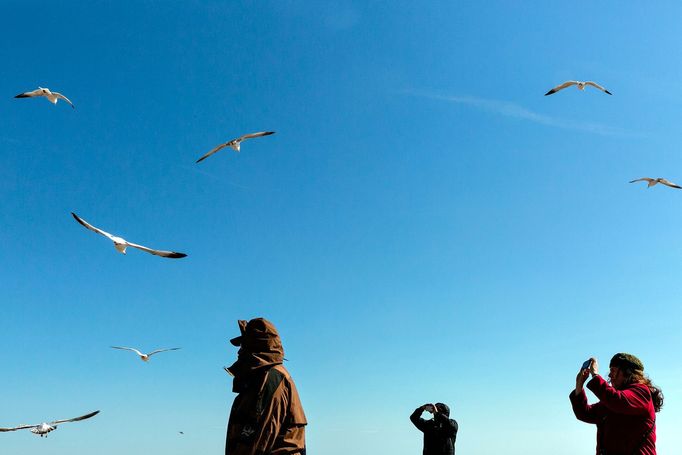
point(424, 225)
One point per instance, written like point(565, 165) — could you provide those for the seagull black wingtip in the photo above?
point(550, 92)
point(79, 220)
point(608, 92)
point(21, 95)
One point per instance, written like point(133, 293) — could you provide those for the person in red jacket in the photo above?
point(626, 412)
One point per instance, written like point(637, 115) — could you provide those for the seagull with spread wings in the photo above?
point(144, 357)
point(235, 143)
point(653, 182)
point(42, 429)
point(121, 244)
point(581, 86)
point(51, 96)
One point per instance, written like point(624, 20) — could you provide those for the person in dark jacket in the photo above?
point(440, 432)
point(626, 412)
point(267, 416)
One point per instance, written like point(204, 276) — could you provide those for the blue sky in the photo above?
point(424, 225)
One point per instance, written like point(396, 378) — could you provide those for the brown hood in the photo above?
point(259, 347)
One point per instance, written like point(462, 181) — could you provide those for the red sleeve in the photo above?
point(632, 401)
point(583, 411)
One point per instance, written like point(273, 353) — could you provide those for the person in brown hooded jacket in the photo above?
point(267, 417)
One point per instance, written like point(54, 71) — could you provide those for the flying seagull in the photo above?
point(234, 143)
point(653, 182)
point(53, 97)
point(144, 357)
point(121, 244)
point(43, 429)
point(581, 85)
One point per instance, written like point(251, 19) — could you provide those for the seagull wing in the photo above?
point(252, 135)
point(75, 419)
point(218, 148)
point(561, 87)
point(59, 95)
point(128, 349)
point(20, 427)
point(91, 227)
point(165, 254)
point(161, 350)
point(670, 184)
point(36, 92)
point(643, 179)
point(597, 86)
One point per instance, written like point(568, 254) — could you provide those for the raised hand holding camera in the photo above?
point(429, 408)
point(580, 379)
point(594, 367)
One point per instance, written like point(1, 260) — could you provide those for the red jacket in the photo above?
point(623, 417)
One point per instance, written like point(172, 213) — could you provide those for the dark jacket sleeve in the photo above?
point(417, 420)
point(584, 411)
point(632, 401)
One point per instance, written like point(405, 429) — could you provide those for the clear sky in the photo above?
point(424, 225)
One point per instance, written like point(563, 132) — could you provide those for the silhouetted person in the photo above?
point(440, 432)
point(266, 417)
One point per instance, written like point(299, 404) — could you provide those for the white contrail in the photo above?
point(509, 109)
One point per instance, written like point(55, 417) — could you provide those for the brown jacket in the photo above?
point(267, 417)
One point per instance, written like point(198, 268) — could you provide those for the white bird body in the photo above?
point(42, 429)
point(651, 182)
point(143, 356)
point(580, 84)
point(121, 244)
point(235, 144)
point(51, 96)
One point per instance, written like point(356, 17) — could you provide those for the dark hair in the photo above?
point(635, 376)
